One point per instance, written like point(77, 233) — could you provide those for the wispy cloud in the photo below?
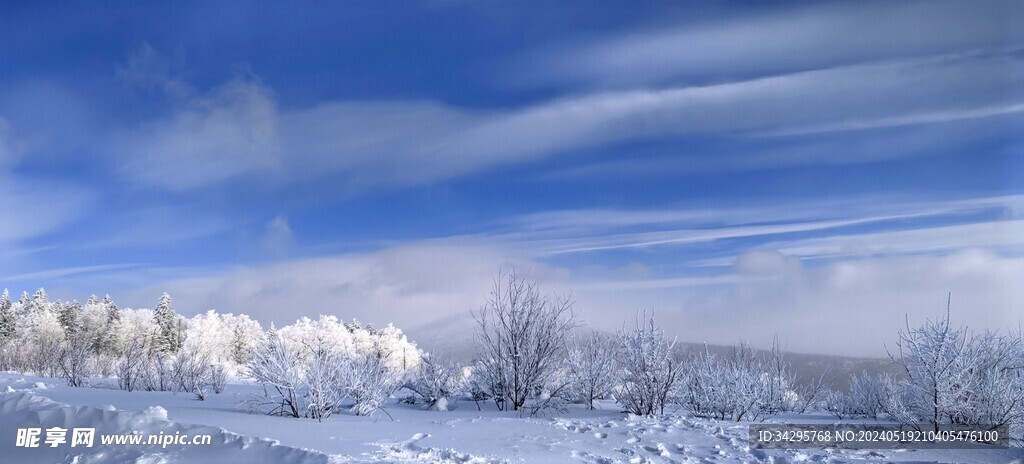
point(239, 130)
point(780, 42)
point(988, 220)
point(52, 274)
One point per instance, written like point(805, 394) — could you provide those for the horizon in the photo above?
point(812, 171)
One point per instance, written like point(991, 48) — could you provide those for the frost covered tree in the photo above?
point(193, 370)
point(72, 357)
point(649, 367)
point(69, 316)
point(40, 300)
point(321, 377)
point(275, 366)
point(953, 377)
point(435, 381)
point(169, 340)
point(7, 318)
point(742, 385)
point(131, 368)
point(109, 339)
point(520, 338)
point(368, 381)
point(935, 358)
point(592, 367)
point(39, 341)
point(8, 332)
point(867, 395)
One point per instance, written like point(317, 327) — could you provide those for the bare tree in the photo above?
point(521, 338)
point(593, 367)
point(650, 368)
point(132, 364)
point(73, 359)
point(218, 378)
point(191, 370)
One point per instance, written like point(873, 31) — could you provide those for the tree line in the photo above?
point(532, 356)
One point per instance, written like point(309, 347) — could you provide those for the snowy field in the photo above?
point(410, 435)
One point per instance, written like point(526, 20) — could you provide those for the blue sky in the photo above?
point(816, 170)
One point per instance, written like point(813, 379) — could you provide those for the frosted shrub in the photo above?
point(192, 371)
point(955, 378)
point(368, 382)
point(742, 385)
point(73, 359)
point(592, 367)
point(435, 381)
point(650, 370)
point(276, 368)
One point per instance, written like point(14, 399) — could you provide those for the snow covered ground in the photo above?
point(410, 435)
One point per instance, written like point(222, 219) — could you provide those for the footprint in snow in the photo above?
point(600, 435)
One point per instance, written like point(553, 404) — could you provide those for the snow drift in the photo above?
point(23, 409)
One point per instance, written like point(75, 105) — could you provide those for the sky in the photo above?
point(821, 171)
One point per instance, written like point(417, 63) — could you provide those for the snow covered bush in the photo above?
point(275, 366)
point(592, 367)
point(520, 339)
point(435, 381)
point(321, 380)
point(867, 395)
point(742, 385)
point(73, 359)
point(131, 367)
point(650, 369)
point(956, 378)
point(218, 378)
point(368, 381)
point(192, 371)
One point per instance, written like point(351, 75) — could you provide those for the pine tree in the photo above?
point(7, 321)
point(40, 300)
point(92, 301)
point(24, 304)
point(113, 313)
point(169, 337)
point(240, 346)
point(69, 316)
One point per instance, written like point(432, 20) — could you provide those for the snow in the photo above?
point(412, 434)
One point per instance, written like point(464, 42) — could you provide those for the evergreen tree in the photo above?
point(69, 315)
point(40, 300)
point(7, 321)
point(24, 304)
point(92, 301)
point(113, 313)
point(169, 337)
point(240, 346)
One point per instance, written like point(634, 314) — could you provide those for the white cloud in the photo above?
point(239, 129)
point(31, 209)
point(851, 307)
point(944, 238)
point(779, 42)
point(232, 131)
point(429, 289)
